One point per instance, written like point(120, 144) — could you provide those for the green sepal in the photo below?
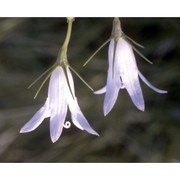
point(37, 79)
point(134, 42)
point(73, 70)
point(44, 81)
point(138, 52)
point(114, 54)
point(66, 75)
point(96, 52)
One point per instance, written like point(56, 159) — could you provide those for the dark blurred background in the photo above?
point(29, 46)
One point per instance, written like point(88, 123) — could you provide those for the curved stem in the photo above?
point(69, 30)
point(62, 56)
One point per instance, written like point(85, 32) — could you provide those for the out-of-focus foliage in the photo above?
point(28, 46)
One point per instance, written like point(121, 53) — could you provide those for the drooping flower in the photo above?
point(60, 97)
point(122, 71)
point(125, 75)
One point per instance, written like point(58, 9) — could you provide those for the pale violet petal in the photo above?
point(76, 123)
point(57, 122)
point(113, 81)
point(79, 119)
point(135, 92)
point(101, 91)
point(84, 124)
point(150, 85)
point(77, 116)
point(71, 99)
point(110, 54)
point(71, 81)
point(110, 60)
point(58, 102)
point(37, 119)
point(129, 73)
point(112, 90)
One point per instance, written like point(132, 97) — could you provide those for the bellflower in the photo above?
point(126, 75)
point(61, 96)
point(122, 71)
point(56, 105)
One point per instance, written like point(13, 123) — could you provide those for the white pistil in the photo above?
point(67, 124)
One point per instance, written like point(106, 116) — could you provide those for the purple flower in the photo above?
point(61, 95)
point(123, 73)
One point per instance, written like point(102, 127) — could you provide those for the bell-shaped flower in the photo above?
point(122, 70)
point(124, 74)
point(61, 95)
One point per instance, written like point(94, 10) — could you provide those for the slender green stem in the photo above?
point(62, 56)
point(69, 30)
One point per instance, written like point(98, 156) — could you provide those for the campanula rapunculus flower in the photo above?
point(122, 71)
point(61, 96)
point(56, 106)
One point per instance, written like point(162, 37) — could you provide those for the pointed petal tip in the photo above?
point(95, 133)
point(55, 135)
point(163, 92)
point(100, 91)
point(22, 131)
point(25, 130)
point(150, 85)
point(92, 131)
point(141, 107)
point(54, 139)
point(106, 110)
point(105, 113)
point(159, 91)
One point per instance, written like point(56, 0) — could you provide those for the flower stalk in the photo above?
point(63, 50)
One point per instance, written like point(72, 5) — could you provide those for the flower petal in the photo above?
point(79, 119)
point(77, 116)
point(129, 73)
point(112, 90)
point(113, 81)
point(150, 85)
point(58, 102)
point(101, 91)
point(37, 119)
point(56, 124)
